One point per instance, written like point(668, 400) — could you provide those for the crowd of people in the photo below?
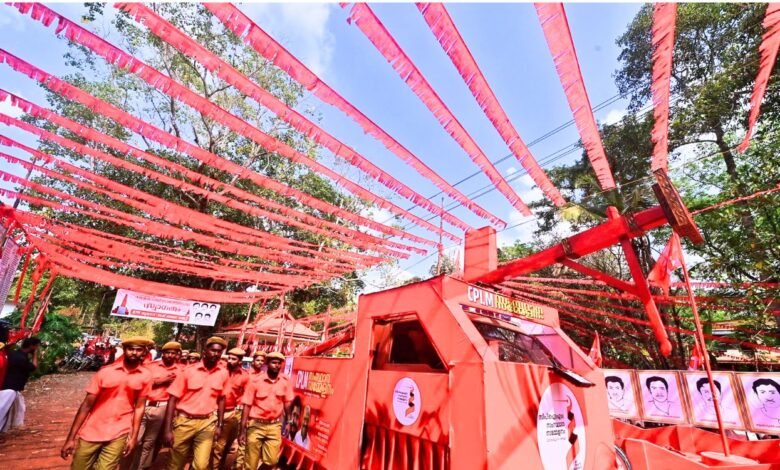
point(198, 405)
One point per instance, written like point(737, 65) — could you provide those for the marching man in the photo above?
point(196, 408)
point(268, 395)
point(108, 419)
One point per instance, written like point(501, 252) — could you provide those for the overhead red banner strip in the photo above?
point(770, 44)
point(311, 224)
point(559, 40)
point(186, 45)
point(174, 89)
point(201, 155)
point(442, 26)
point(365, 19)
point(173, 213)
point(664, 17)
point(254, 36)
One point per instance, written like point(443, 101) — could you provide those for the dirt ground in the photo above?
point(51, 402)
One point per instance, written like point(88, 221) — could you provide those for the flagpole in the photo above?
point(705, 355)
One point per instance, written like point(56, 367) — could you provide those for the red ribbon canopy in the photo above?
point(664, 16)
point(249, 32)
point(174, 89)
point(452, 43)
point(186, 45)
point(363, 17)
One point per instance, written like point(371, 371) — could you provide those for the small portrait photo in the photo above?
point(297, 425)
point(701, 399)
point(762, 400)
point(662, 399)
point(621, 393)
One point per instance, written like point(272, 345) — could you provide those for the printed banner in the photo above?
point(8, 265)
point(150, 307)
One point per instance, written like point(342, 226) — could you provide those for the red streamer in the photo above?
point(186, 45)
point(559, 40)
point(252, 35)
point(359, 239)
point(168, 211)
point(205, 158)
point(770, 44)
point(174, 89)
point(362, 16)
point(442, 26)
point(664, 16)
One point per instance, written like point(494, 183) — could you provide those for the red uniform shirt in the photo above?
point(237, 382)
point(267, 397)
point(198, 388)
point(159, 371)
point(117, 390)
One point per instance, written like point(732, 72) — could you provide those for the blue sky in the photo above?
point(505, 39)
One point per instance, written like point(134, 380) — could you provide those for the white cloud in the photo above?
point(10, 18)
point(614, 116)
point(300, 27)
point(511, 170)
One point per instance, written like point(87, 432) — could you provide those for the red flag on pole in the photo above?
point(694, 363)
point(595, 351)
point(671, 259)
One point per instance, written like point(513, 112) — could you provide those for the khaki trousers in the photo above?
point(98, 455)
point(192, 435)
point(230, 427)
point(151, 425)
point(263, 444)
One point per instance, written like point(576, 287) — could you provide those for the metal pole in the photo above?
point(706, 358)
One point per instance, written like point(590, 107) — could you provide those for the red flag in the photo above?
point(595, 351)
point(694, 363)
point(671, 258)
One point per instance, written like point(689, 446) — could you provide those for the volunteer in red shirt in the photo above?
point(163, 373)
point(268, 395)
point(108, 419)
point(196, 408)
point(237, 382)
point(258, 362)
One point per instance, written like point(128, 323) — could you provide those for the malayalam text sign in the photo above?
point(151, 307)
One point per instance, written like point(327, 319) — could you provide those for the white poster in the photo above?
point(8, 265)
point(150, 307)
point(560, 429)
point(701, 402)
point(661, 396)
point(621, 393)
point(762, 399)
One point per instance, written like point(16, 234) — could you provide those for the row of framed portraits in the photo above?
point(748, 400)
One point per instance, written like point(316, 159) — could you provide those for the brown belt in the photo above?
point(187, 415)
point(267, 421)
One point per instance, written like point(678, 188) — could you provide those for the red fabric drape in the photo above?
point(171, 212)
point(157, 229)
point(174, 89)
point(176, 38)
point(204, 157)
point(442, 26)
point(363, 17)
point(559, 40)
point(768, 51)
point(252, 35)
point(664, 16)
point(669, 260)
point(359, 239)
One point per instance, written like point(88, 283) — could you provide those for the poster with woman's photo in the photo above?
point(661, 396)
point(762, 400)
point(701, 400)
point(621, 393)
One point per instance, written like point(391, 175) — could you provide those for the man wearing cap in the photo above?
point(258, 362)
point(108, 419)
point(196, 408)
point(237, 382)
point(163, 373)
point(193, 358)
point(268, 395)
point(185, 357)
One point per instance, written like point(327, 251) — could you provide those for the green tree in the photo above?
point(128, 92)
